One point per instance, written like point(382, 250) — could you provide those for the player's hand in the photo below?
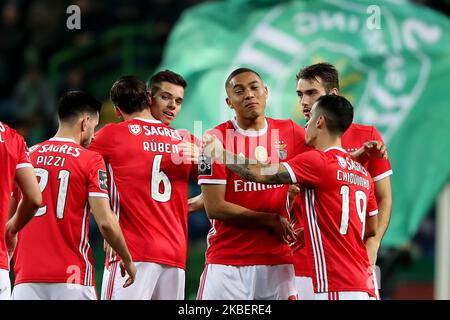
point(109, 252)
point(283, 229)
point(11, 239)
point(212, 147)
point(189, 151)
point(294, 190)
point(299, 242)
point(130, 269)
point(375, 149)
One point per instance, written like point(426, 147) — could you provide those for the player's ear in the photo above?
point(334, 91)
point(320, 121)
point(117, 112)
point(149, 98)
point(84, 123)
point(228, 101)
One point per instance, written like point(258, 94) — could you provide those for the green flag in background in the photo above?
point(394, 67)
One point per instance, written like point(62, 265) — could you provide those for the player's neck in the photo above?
point(68, 133)
point(251, 124)
point(327, 141)
point(144, 114)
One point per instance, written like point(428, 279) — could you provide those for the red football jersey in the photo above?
point(354, 138)
point(338, 195)
point(54, 246)
point(227, 244)
point(379, 168)
point(13, 156)
point(149, 188)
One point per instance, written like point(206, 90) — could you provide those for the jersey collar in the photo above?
point(335, 148)
point(250, 132)
point(61, 139)
point(147, 120)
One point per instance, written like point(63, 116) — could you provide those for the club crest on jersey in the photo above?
point(280, 146)
point(342, 162)
point(135, 129)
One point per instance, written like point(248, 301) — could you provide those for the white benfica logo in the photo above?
point(135, 129)
point(342, 162)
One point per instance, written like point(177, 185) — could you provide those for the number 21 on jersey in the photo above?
point(63, 177)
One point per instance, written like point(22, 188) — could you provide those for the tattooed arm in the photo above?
point(248, 169)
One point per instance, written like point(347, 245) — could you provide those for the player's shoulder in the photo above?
point(90, 155)
point(280, 122)
point(110, 127)
point(314, 155)
point(367, 132)
point(10, 132)
point(361, 129)
point(224, 126)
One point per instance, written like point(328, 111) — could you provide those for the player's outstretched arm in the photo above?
point(248, 169)
point(31, 201)
point(217, 208)
point(110, 229)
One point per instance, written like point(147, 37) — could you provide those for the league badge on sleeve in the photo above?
point(135, 129)
point(102, 180)
point(204, 166)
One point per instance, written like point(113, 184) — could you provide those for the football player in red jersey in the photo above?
point(312, 82)
point(15, 168)
point(149, 187)
point(339, 202)
point(248, 256)
point(53, 259)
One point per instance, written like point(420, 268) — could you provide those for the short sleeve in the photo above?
point(306, 168)
point(372, 207)
point(378, 168)
point(98, 181)
point(211, 172)
point(23, 160)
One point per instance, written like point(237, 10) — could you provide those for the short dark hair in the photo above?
point(128, 93)
point(239, 71)
point(165, 76)
point(325, 71)
point(72, 104)
point(338, 112)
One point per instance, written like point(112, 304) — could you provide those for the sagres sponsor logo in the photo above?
point(382, 62)
point(135, 129)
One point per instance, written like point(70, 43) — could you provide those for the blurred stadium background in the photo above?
point(394, 67)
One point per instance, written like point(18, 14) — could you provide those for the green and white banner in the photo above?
point(394, 64)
